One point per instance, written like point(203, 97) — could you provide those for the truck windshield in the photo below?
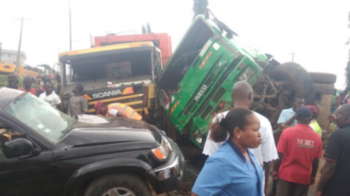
point(41, 117)
point(113, 67)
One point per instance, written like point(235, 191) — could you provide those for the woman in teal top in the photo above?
point(233, 170)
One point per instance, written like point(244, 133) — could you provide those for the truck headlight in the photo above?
point(163, 150)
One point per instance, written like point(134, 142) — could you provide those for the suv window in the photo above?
point(41, 117)
point(7, 134)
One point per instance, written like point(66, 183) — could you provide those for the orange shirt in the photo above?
point(31, 90)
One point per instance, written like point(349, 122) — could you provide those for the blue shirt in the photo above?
point(228, 172)
point(285, 115)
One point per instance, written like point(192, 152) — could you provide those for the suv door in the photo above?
point(33, 176)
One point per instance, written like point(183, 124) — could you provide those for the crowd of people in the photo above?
point(241, 145)
point(77, 104)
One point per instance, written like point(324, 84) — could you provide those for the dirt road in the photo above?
point(191, 174)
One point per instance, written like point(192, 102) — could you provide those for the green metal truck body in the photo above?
point(197, 80)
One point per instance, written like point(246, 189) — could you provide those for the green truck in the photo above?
point(196, 82)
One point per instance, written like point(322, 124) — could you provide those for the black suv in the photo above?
point(47, 153)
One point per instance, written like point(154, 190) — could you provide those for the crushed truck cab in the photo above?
point(197, 81)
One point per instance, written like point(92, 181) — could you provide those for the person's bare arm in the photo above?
point(60, 107)
point(291, 120)
point(276, 166)
point(120, 114)
point(315, 164)
point(267, 174)
point(194, 194)
point(327, 173)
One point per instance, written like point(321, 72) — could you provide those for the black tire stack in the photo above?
point(323, 82)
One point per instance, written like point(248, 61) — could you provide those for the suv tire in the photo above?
point(299, 78)
point(119, 182)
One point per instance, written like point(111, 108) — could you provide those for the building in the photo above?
point(10, 56)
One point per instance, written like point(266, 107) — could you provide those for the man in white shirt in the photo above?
point(287, 117)
point(242, 95)
point(50, 96)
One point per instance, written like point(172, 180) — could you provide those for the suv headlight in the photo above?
point(163, 150)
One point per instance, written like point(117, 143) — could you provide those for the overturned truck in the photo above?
point(197, 80)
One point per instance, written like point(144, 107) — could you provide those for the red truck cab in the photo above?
point(160, 40)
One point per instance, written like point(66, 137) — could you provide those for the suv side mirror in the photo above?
point(18, 147)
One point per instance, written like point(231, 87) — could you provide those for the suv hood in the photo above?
point(94, 130)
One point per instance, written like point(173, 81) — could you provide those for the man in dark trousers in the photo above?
point(77, 104)
point(335, 174)
point(286, 119)
point(299, 150)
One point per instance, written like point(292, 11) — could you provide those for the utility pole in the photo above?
point(19, 45)
point(70, 27)
point(293, 56)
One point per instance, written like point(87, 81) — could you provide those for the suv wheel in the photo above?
point(118, 184)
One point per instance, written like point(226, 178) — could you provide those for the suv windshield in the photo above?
point(41, 117)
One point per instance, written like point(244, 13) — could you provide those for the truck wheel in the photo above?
point(323, 78)
point(327, 89)
point(118, 184)
point(298, 77)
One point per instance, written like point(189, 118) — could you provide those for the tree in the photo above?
point(148, 28)
point(144, 31)
point(200, 7)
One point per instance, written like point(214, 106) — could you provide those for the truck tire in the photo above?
point(327, 89)
point(323, 78)
point(298, 77)
point(119, 184)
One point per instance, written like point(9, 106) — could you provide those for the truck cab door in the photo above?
point(27, 175)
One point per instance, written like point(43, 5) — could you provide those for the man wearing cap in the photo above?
point(314, 124)
point(299, 149)
point(117, 110)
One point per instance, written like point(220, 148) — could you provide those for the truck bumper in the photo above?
point(170, 175)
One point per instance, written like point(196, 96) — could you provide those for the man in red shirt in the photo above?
point(28, 81)
point(299, 149)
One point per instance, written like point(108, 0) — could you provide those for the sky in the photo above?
point(314, 30)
